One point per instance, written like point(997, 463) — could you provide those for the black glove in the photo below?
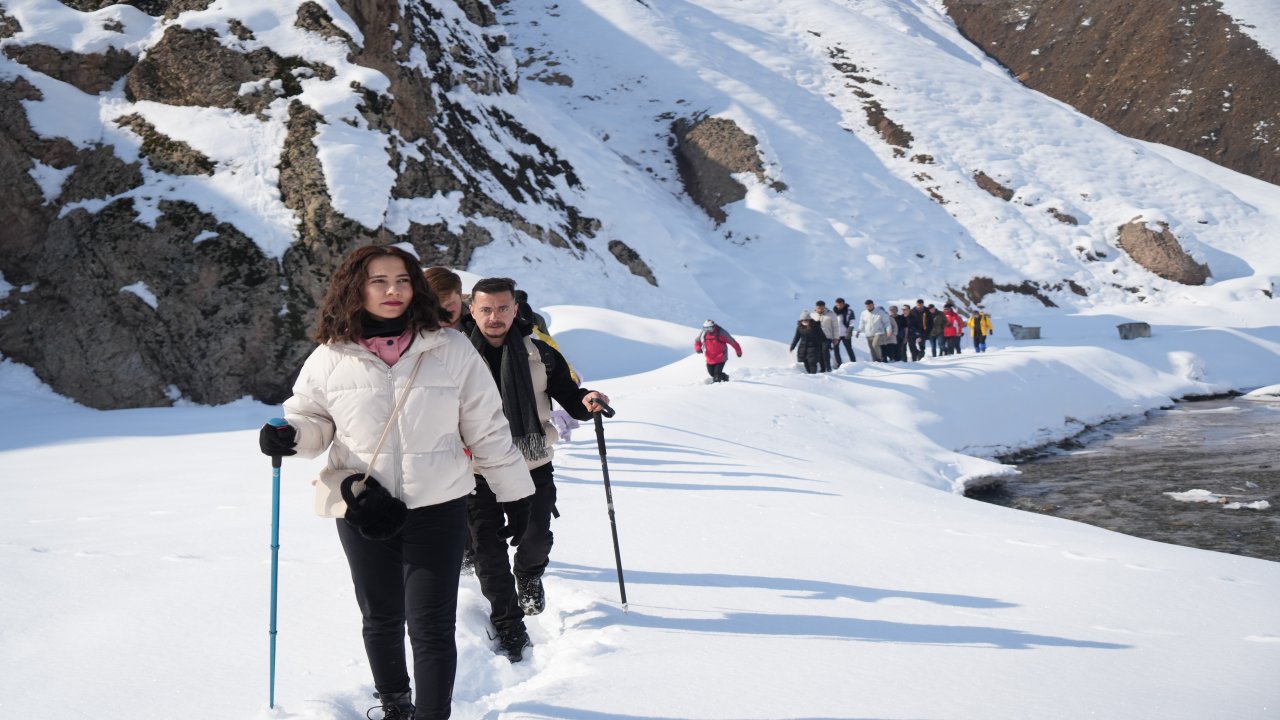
point(517, 512)
point(278, 440)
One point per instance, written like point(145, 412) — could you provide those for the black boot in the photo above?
point(395, 706)
point(512, 640)
point(532, 599)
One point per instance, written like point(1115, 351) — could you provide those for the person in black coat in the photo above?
point(809, 343)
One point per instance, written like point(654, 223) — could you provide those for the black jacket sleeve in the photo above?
point(560, 384)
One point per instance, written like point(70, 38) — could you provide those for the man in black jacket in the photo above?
point(529, 374)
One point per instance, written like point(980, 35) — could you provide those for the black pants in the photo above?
point(411, 579)
point(493, 566)
point(716, 371)
point(848, 345)
point(916, 342)
point(824, 358)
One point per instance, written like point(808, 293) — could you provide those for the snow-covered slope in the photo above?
point(854, 219)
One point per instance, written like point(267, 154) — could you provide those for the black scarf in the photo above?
point(372, 326)
point(515, 383)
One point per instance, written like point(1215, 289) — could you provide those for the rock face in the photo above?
point(1160, 252)
point(122, 297)
point(1181, 74)
point(709, 152)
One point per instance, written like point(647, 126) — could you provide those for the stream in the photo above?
point(1204, 474)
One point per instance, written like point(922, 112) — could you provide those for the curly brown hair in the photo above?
point(343, 304)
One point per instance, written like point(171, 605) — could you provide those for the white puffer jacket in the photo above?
point(345, 394)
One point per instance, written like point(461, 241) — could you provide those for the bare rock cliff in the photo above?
point(1182, 74)
point(119, 300)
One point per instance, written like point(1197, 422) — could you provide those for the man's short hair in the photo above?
point(493, 285)
point(840, 300)
point(919, 301)
point(869, 302)
point(820, 303)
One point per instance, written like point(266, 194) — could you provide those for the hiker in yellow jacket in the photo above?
point(979, 325)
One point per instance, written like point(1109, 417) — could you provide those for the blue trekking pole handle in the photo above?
point(275, 558)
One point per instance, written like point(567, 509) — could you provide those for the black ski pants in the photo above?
point(411, 579)
point(493, 565)
point(716, 371)
point(848, 345)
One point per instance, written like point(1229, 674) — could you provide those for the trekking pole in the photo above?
point(275, 557)
point(607, 411)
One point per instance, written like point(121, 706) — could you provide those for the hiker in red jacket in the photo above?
point(952, 330)
point(715, 341)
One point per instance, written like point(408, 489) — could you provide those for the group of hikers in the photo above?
point(892, 336)
point(438, 421)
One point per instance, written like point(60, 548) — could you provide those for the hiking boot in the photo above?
point(468, 563)
point(532, 599)
point(395, 706)
point(512, 640)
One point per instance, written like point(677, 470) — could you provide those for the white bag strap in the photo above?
point(396, 411)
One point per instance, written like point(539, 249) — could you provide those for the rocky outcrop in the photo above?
point(1181, 74)
point(709, 152)
point(90, 73)
point(156, 299)
point(1160, 252)
point(629, 257)
point(193, 68)
point(205, 335)
point(9, 26)
point(980, 287)
point(992, 186)
point(155, 8)
point(164, 153)
point(890, 131)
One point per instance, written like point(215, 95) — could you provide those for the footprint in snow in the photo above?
point(1077, 556)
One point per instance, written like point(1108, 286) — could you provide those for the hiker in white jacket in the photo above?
point(382, 350)
point(876, 324)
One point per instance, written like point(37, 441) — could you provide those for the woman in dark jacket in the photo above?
point(809, 343)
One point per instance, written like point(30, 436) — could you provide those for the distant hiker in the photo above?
point(936, 323)
point(980, 325)
point(529, 373)
point(952, 330)
point(846, 318)
point(714, 343)
point(897, 353)
point(380, 339)
point(874, 323)
point(809, 343)
point(527, 313)
point(830, 327)
point(447, 286)
point(916, 330)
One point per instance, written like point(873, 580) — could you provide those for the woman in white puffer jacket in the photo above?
point(378, 321)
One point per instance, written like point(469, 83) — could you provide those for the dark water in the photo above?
point(1116, 476)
